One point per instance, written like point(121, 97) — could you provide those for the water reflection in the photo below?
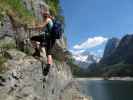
point(108, 90)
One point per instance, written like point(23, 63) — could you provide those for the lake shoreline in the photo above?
point(102, 78)
point(112, 89)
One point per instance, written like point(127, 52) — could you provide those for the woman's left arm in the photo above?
point(42, 25)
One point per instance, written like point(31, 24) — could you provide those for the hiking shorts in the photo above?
point(45, 41)
point(38, 38)
point(49, 45)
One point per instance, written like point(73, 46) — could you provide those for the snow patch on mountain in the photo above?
point(83, 58)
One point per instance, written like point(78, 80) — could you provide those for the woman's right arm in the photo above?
point(39, 26)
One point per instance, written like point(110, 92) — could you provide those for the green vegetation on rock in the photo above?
point(1, 15)
point(8, 46)
point(7, 43)
point(2, 61)
point(16, 9)
point(74, 68)
point(55, 9)
point(54, 6)
point(119, 69)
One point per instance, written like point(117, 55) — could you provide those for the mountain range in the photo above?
point(84, 59)
point(117, 59)
point(121, 51)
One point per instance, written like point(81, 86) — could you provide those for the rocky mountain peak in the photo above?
point(122, 52)
point(111, 46)
point(84, 59)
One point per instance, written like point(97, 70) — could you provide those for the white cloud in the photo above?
point(80, 58)
point(77, 55)
point(91, 42)
point(97, 53)
point(76, 52)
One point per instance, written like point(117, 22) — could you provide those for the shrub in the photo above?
point(74, 68)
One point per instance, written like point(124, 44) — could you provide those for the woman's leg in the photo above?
point(49, 47)
point(49, 59)
point(43, 52)
point(49, 50)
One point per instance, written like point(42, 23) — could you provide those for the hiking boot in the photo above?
point(46, 70)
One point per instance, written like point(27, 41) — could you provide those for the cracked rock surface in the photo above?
point(24, 80)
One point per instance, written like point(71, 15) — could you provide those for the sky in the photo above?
point(90, 23)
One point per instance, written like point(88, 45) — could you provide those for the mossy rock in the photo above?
point(7, 43)
point(2, 66)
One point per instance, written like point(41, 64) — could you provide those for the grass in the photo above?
point(17, 9)
point(55, 9)
point(54, 6)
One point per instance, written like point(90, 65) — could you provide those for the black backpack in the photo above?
point(57, 29)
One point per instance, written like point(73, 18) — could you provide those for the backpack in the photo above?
point(57, 29)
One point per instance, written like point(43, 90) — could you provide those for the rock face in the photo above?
point(5, 40)
point(34, 6)
point(122, 53)
point(21, 35)
point(18, 31)
point(24, 79)
point(110, 46)
point(6, 28)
